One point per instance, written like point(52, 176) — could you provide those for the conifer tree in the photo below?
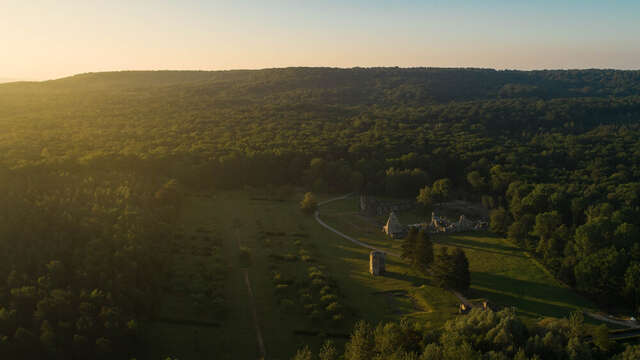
point(423, 252)
point(461, 273)
point(441, 268)
point(409, 246)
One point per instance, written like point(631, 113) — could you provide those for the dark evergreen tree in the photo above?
point(409, 246)
point(461, 273)
point(423, 253)
point(441, 269)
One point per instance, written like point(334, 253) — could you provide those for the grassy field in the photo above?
point(505, 275)
point(287, 246)
point(283, 241)
point(500, 272)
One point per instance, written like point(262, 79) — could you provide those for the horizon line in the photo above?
point(6, 80)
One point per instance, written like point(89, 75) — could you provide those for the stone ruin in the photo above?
point(371, 206)
point(377, 263)
point(394, 228)
point(485, 305)
point(464, 309)
point(442, 225)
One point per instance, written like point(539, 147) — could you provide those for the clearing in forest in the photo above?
point(308, 284)
point(500, 272)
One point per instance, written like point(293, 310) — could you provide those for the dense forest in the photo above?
point(480, 335)
point(91, 168)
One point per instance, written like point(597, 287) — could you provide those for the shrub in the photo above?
point(315, 273)
point(309, 204)
point(333, 307)
point(290, 257)
point(277, 276)
point(244, 257)
point(325, 290)
point(329, 298)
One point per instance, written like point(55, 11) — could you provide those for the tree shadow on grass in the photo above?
point(415, 280)
point(465, 243)
point(522, 294)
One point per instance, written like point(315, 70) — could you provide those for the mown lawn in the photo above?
point(506, 276)
point(500, 272)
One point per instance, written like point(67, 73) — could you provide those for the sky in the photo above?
point(45, 39)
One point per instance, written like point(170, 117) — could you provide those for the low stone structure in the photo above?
point(442, 225)
point(394, 228)
point(371, 206)
point(464, 309)
point(377, 261)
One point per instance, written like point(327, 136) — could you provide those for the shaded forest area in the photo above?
point(87, 162)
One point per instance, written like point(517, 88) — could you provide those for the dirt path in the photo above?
point(254, 313)
point(628, 324)
point(357, 242)
point(252, 304)
point(462, 299)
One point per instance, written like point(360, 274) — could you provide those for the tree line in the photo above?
point(478, 335)
point(85, 164)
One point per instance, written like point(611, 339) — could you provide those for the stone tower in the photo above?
point(377, 263)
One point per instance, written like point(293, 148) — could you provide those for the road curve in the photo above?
point(357, 242)
point(628, 324)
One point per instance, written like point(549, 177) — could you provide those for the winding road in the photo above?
point(357, 242)
point(365, 245)
point(626, 323)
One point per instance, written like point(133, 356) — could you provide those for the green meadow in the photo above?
point(245, 219)
point(500, 272)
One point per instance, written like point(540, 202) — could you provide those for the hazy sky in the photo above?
point(42, 39)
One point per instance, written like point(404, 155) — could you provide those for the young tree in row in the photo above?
point(309, 204)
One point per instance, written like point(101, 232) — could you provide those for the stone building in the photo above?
point(393, 227)
point(442, 225)
point(377, 263)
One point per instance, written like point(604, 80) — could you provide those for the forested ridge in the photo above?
point(88, 165)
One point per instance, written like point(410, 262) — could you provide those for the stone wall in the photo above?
point(371, 206)
point(442, 225)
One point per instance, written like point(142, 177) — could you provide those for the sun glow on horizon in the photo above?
point(55, 39)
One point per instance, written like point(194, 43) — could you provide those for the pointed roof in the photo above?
point(393, 226)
